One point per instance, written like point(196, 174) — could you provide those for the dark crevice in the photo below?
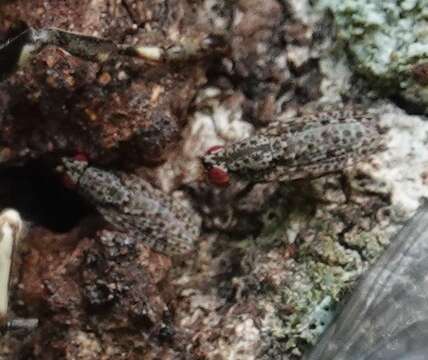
point(38, 193)
point(130, 13)
point(342, 241)
point(409, 107)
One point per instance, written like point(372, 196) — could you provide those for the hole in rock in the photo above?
point(37, 192)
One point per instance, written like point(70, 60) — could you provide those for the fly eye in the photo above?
point(218, 176)
point(214, 149)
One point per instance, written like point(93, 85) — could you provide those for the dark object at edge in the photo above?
point(386, 317)
point(11, 51)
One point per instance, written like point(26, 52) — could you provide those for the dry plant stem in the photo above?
point(10, 232)
point(17, 51)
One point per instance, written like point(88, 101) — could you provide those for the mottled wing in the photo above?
point(158, 219)
point(183, 213)
point(346, 115)
point(329, 148)
point(387, 315)
point(311, 170)
point(323, 147)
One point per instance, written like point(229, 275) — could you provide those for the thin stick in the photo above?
point(17, 51)
point(10, 232)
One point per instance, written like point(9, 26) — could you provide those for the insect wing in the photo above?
point(387, 315)
point(346, 115)
point(160, 220)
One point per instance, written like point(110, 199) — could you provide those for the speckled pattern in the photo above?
point(132, 205)
point(307, 147)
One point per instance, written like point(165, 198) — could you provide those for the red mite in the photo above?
point(67, 182)
point(217, 175)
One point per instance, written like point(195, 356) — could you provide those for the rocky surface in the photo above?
point(388, 305)
point(64, 104)
point(273, 260)
point(388, 44)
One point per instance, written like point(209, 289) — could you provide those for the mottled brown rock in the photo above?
point(257, 52)
point(103, 284)
point(122, 108)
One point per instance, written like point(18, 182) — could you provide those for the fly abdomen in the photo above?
point(325, 143)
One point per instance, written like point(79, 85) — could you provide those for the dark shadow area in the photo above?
point(409, 107)
point(38, 193)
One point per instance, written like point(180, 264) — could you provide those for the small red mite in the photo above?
point(218, 176)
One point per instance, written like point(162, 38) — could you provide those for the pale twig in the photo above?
point(18, 50)
point(11, 228)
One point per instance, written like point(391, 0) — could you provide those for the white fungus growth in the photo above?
point(218, 125)
point(404, 165)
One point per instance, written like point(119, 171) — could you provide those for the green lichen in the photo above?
point(310, 295)
point(315, 282)
point(369, 243)
point(329, 258)
point(386, 39)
